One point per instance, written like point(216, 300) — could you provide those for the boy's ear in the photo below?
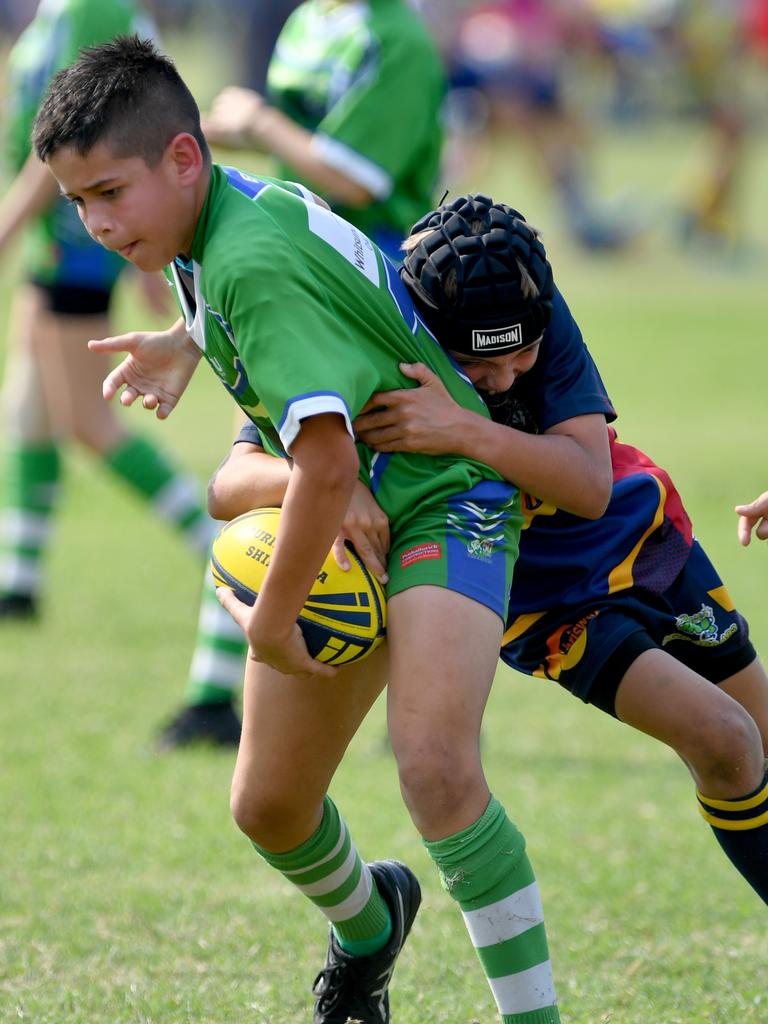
point(187, 159)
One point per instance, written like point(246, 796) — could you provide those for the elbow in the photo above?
point(226, 499)
point(597, 498)
point(356, 197)
point(218, 507)
point(337, 475)
point(341, 476)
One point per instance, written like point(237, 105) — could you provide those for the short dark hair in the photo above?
point(124, 92)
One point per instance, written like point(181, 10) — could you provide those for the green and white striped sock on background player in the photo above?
point(218, 662)
point(486, 870)
point(32, 484)
point(328, 870)
point(174, 496)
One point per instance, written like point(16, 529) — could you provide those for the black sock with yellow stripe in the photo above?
point(741, 828)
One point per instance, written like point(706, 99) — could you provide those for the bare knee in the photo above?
point(273, 819)
point(98, 434)
point(728, 755)
point(443, 789)
point(257, 814)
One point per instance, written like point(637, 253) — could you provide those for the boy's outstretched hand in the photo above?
point(754, 515)
point(158, 368)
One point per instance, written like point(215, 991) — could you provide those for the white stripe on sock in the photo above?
point(525, 991)
point(506, 918)
point(355, 902)
point(179, 497)
point(334, 880)
point(323, 860)
point(18, 526)
point(216, 621)
point(217, 668)
point(20, 575)
point(201, 532)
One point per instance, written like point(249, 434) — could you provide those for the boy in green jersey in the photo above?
point(341, 78)
point(303, 318)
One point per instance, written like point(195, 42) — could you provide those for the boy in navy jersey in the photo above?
point(624, 610)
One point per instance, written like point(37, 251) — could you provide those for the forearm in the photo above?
point(277, 134)
point(246, 480)
point(554, 467)
point(31, 192)
point(316, 500)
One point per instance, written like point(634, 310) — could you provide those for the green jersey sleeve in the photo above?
point(388, 115)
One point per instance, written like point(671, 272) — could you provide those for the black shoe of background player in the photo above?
point(216, 725)
point(18, 606)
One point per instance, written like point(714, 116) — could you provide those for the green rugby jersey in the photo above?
point(367, 79)
point(300, 314)
point(59, 30)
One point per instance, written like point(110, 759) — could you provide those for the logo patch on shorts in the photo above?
point(480, 548)
point(701, 629)
point(421, 553)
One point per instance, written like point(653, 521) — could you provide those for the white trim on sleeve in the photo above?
point(312, 405)
point(361, 170)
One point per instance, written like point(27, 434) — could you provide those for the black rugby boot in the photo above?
point(357, 987)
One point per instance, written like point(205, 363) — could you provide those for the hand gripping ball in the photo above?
point(344, 617)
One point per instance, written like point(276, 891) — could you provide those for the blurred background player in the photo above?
point(709, 36)
point(354, 94)
point(690, 58)
point(52, 388)
point(353, 110)
point(510, 63)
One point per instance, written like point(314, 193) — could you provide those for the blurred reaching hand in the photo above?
point(753, 516)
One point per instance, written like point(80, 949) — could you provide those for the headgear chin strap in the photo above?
point(466, 280)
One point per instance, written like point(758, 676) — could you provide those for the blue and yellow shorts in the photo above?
point(588, 649)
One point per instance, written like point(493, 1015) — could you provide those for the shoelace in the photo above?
point(329, 986)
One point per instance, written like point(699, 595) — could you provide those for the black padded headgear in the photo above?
point(489, 314)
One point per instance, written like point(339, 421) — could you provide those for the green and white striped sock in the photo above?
point(32, 483)
point(328, 870)
point(218, 662)
point(176, 497)
point(486, 870)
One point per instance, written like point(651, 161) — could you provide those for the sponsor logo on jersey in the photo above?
point(421, 553)
point(504, 337)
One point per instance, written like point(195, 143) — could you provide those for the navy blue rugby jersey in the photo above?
point(644, 537)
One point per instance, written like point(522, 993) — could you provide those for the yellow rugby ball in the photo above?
point(344, 617)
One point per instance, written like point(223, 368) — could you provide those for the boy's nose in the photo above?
point(500, 379)
point(100, 227)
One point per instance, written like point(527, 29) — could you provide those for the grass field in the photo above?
point(127, 896)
